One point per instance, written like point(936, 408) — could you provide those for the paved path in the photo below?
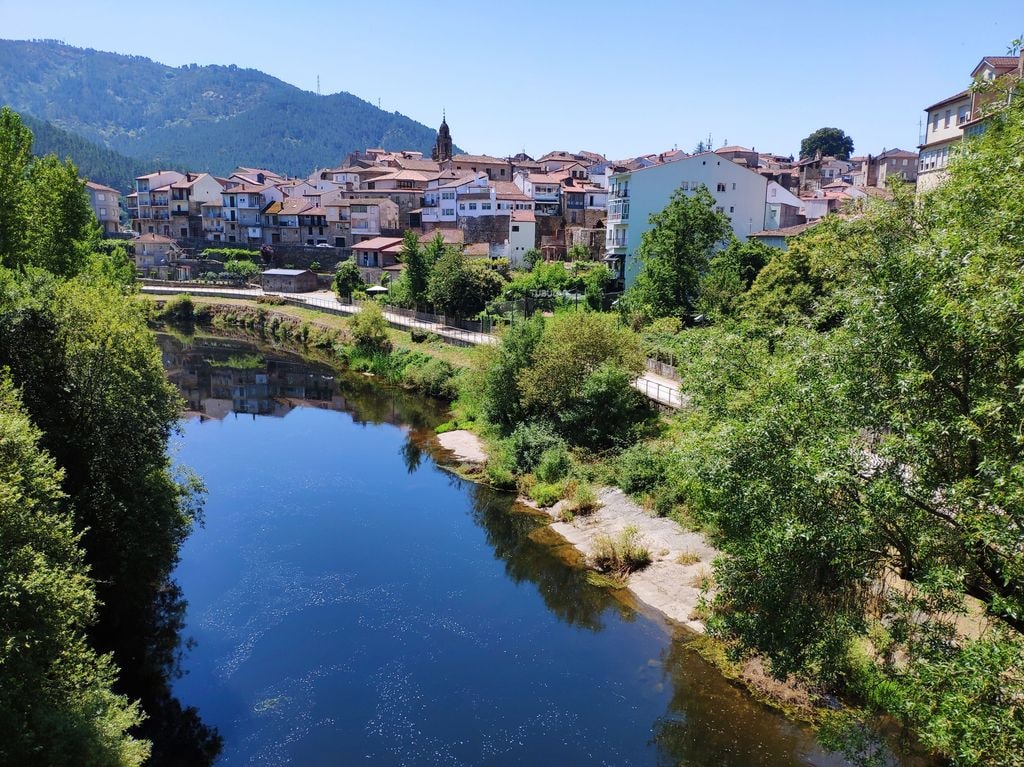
point(659, 389)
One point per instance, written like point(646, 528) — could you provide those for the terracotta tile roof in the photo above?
point(409, 163)
point(477, 250)
point(523, 215)
point(155, 239)
point(247, 188)
point(100, 187)
point(544, 178)
point(378, 243)
point(479, 158)
point(506, 190)
point(788, 231)
point(962, 94)
point(733, 148)
point(450, 236)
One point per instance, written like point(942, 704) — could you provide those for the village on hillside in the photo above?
point(562, 205)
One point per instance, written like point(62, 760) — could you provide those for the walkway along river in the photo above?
point(351, 601)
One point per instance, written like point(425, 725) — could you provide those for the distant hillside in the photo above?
point(95, 162)
point(206, 118)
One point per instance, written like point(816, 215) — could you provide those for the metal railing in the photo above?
point(402, 319)
point(659, 392)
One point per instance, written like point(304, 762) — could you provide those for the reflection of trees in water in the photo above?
point(527, 548)
point(147, 645)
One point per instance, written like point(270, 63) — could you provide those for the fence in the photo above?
point(662, 368)
point(658, 392)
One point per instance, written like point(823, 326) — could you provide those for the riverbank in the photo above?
point(672, 585)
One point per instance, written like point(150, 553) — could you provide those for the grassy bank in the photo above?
point(418, 363)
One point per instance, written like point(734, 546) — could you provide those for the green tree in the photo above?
point(417, 268)
point(578, 252)
point(829, 141)
point(531, 257)
point(674, 254)
point(241, 270)
point(15, 157)
point(370, 328)
point(731, 272)
point(347, 279)
point(862, 465)
point(447, 279)
point(56, 703)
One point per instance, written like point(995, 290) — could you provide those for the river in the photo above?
point(351, 602)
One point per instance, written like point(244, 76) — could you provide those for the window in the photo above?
point(734, 185)
point(472, 206)
point(771, 192)
point(686, 186)
point(448, 211)
point(946, 123)
point(310, 230)
point(515, 227)
point(719, 209)
point(732, 209)
point(103, 211)
point(462, 206)
point(447, 195)
point(721, 187)
point(485, 206)
point(100, 197)
point(935, 121)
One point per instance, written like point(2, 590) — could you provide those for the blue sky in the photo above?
point(621, 78)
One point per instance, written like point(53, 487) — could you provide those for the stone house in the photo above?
point(289, 280)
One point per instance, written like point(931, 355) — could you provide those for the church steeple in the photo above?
point(443, 146)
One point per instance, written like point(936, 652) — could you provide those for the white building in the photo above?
point(522, 235)
point(739, 193)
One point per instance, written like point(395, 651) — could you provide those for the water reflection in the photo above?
point(602, 684)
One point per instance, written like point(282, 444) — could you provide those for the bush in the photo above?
point(270, 300)
point(348, 280)
point(242, 270)
point(528, 442)
point(546, 494)
point(554, 464)
point(622, 555)
point(180, 308)
point(641, 469)
point(370, 329)
point(584, 500)
point(431, 376)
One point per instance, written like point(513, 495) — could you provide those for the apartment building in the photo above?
point(106, 206)
point(963, 114)
point(740, 193)
point(151, 202)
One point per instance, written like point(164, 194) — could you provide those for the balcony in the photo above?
point(618, 210)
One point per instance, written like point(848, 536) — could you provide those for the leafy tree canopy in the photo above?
point(829, 141)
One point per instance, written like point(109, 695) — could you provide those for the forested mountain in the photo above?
point(203, 117)
point(95, 162)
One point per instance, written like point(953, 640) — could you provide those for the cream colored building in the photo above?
point(951, 119)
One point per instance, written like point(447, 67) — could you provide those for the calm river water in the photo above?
point(353, 603)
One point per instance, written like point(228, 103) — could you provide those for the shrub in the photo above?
point(370, 329)
point(546, 494)
point(554, 464)
point(499, 475)
point(180, 307)
point(348, 280)
point(271, 300)
point(622, 555)
point(431, 376)
point(584, 500)
point(641, 469)
point(241, 270)
point(528, 442)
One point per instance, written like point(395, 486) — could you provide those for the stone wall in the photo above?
point(489, 229)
